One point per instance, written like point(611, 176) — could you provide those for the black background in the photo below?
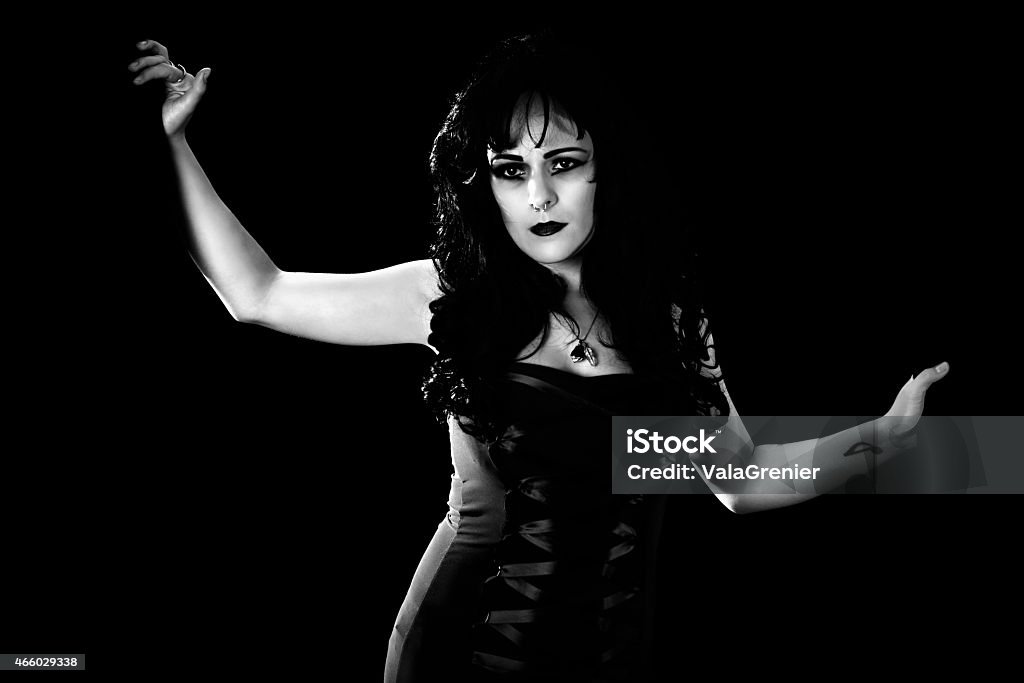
point(273, 495)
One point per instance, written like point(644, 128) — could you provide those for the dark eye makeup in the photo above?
point(507, 171)
point(517, 171)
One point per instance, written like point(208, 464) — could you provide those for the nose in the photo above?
point(540, 194)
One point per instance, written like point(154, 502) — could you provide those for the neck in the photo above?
point(570, 272)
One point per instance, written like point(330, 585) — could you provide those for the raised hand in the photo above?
point(909, 401)
point(183, 89)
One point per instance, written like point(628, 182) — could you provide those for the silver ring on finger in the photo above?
point(183, 74)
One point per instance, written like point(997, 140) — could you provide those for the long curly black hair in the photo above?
point(638, 268)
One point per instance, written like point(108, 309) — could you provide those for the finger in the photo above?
point(931, 375)
point(143, 62)
point(936, 373)
point(199, 82)
point(161, 71)
point(193, 86)
point(153, 46)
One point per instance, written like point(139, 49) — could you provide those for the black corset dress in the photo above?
point(538, 572)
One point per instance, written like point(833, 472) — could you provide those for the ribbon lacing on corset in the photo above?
point(525, 579)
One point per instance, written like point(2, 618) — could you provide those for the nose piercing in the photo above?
point(543, 207)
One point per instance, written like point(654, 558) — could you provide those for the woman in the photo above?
point(549, 305)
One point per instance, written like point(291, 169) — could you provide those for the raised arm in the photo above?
point(388, 306)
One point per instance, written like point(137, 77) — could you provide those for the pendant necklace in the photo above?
point(583, 351)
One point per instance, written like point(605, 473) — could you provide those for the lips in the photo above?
point(548, 228)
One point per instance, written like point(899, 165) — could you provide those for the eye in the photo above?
point(507, 172)
point(565, 164)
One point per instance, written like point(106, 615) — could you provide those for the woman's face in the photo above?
point(546, 193)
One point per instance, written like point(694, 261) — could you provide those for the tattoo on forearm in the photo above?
point(862, 447)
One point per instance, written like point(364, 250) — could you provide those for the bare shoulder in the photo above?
point(422, 280)
point(428, 278)
point(429, 286)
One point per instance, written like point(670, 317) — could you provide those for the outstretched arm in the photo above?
point(833, 460)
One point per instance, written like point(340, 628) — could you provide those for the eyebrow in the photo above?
point(548, 155)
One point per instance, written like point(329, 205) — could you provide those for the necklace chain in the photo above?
point(597, 314)
point(584, 337)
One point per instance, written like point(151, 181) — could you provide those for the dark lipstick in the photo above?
point(548, 228)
